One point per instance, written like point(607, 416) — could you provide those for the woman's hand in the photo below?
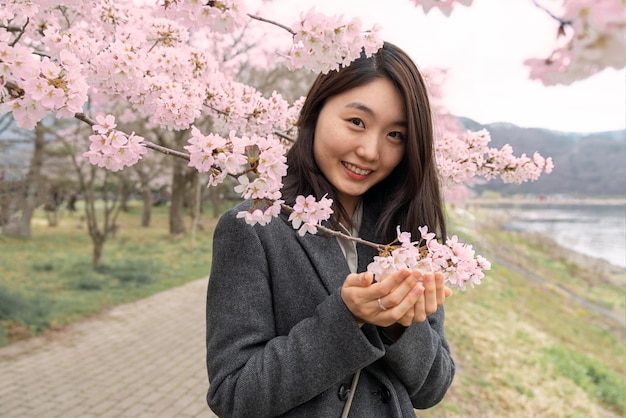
point(382, 303)
point(434, 295)
point(403, 298)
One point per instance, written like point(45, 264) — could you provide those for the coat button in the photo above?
point(343, 392)
point(384, 394)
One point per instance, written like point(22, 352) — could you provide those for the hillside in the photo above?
point(591, 165)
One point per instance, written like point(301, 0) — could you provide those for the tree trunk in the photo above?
point(98, 241)
point(32, 185)
point(177, 219)
point(214, 198)
point(125, 193)
point(146, 215)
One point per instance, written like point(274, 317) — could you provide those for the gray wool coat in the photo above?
point(281, 342)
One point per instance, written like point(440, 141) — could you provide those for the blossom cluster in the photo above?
point(308, 213)
point(39, 85)
point(444, 6)
point(593, 38)
point(462, 157)
point(220, 16)
point(258, 163)
point(111, 148)
point(237, 106)
point(322, 43)
point(458, 262)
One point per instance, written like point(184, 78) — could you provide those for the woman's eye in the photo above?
point(396, 135)
point(356, 121)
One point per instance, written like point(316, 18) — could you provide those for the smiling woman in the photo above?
point(295, 324)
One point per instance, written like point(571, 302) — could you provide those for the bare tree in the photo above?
point(101, 207)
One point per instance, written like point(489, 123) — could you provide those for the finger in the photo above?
point(440, 286)
point(396, 295)
point(393, 281)
point(407, 319)
point(448, 292)
point(419, 311)
point(430, 293)
point(403, 312)
point(359, 279)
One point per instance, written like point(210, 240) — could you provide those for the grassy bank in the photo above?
point(540, 337)
point(48, 281)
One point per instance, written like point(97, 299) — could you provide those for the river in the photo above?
point(593, 229)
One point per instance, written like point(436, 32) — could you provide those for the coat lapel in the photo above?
point(327, 259)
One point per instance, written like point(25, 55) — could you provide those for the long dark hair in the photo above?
point(410, 196)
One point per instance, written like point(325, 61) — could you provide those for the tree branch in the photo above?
point(262, 19)
point(164, 150)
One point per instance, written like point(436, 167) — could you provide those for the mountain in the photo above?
point(585, 165)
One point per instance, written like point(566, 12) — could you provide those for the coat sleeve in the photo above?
point(422, 361)
point(252, 370)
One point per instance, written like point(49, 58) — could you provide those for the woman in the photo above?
point(295, 326)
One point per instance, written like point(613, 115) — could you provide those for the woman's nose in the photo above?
point(368, 148)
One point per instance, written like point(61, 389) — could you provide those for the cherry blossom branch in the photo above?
point(164, 150)
point(284, 136)
point(271, 22)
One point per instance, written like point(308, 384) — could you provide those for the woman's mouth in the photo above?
point(355, 169)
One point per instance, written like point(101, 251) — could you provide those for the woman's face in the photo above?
point(360, 138)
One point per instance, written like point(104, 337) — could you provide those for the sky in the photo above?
point(483, 48)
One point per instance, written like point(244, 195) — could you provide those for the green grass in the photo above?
point(48, 281)
point(594, 377)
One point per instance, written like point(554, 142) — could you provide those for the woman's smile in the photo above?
point(355, 171)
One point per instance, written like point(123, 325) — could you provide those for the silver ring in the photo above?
point(381, 306)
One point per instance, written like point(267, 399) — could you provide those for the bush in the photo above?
point(31, 312)
point(138, 272)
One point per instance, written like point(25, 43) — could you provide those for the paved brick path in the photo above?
point(143, 359)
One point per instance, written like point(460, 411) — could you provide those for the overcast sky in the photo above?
point(483, 48)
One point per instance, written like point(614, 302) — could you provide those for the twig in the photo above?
point(20, 33)
point(552, 15)
point(284, 136)
point(262, 19)
point(166, 151)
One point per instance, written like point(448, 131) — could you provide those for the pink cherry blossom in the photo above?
point(322, 43)
point(591, 37)
point(456, 261)
point(308, 213)
point(113, 149)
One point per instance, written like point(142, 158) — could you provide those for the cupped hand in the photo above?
point(382, 303)
point(402, 298)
